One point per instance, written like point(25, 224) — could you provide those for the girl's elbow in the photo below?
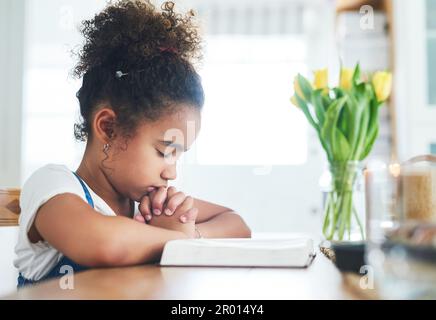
point(246, 233)
point(116, 254)
point(107, 254)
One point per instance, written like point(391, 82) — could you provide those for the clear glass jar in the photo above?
point(401, 209)
point(344, 202)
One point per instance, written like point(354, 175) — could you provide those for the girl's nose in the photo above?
point(170, 173)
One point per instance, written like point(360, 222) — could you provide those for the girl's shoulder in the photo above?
point(51, 170)
point(48, 180)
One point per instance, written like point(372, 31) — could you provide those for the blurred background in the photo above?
point(256, 152)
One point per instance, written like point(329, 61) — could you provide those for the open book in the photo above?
point(239, 252)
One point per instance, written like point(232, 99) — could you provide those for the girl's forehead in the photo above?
point(180, 117)
point(184, 120)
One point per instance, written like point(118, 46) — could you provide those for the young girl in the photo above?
point(116, 209)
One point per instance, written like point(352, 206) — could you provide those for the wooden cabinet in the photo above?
point(9, 207)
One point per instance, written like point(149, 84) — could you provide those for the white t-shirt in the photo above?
point(35, 260)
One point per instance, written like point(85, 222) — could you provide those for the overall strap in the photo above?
point(87, 194)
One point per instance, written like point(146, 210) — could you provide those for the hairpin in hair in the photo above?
point(119, 74)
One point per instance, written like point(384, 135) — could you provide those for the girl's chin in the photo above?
point(137, 197)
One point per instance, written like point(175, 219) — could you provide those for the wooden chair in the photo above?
point(9, 207)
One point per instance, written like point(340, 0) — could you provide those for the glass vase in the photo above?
point(344, 202)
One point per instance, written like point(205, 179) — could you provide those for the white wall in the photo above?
point(268, 202)
point(11, 81)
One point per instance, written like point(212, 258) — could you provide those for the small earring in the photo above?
point(106, 147)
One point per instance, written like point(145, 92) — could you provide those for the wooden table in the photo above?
point(321, 280)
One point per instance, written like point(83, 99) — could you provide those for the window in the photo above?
point(433, 148)
point(431, 52)
point(248, 118)
point(50, 107)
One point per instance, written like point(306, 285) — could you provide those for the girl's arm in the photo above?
point(214, 221)
point(91, 239)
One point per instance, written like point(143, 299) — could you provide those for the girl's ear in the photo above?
point(104, 125)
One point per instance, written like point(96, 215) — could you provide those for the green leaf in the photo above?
point(360, 90)
point(370, 143)
point(355, 109)
point(363, 130)
point(305, 87)
point(343, 122)
point(326, 101)
point(306, 111)
point(329, 133)
point(356, 75)
point(341, 147)
point(318, 106)
point(349, 115)
point(374, 111)
point(373, 126)
point(339, 93)
point(325, 147)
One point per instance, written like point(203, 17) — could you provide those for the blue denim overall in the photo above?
point(56, 272)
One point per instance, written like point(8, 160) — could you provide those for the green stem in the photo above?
point(327, 214)
point(335, 201)
point(349, 216)
point(344, 204)
point(345, 213)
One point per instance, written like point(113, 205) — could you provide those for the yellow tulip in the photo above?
point(297, 88)
point(382, 82)
point(294, 101)
point(346, 78)
point(321, 79)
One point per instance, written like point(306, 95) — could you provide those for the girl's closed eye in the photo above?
point(165, 155)
point(161, 154)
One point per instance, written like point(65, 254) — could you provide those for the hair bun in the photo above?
point(129, 32)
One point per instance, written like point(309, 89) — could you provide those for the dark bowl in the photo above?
point(350, 256)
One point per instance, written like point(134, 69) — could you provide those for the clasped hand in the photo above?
point(167, 208)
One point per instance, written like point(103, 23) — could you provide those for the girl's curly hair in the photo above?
point(140, 61)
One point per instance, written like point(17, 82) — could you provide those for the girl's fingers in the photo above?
point(174, 202)
point(185, 206)
point(189, 216)
point(158, 199)
point(144, 208)
point(171, 191)
point(139, 218)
